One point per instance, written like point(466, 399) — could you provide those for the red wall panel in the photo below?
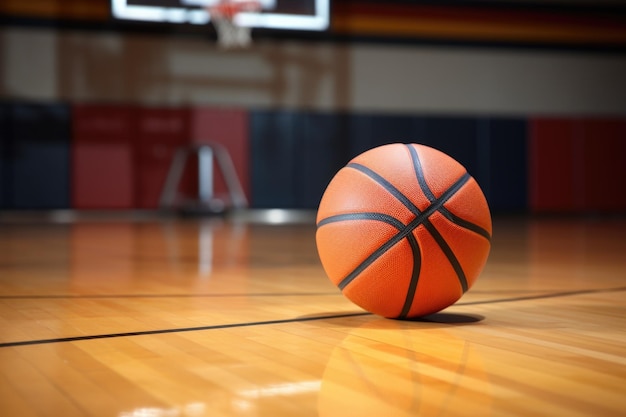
point(160, 131)
point(552, 156)
point(604, 173)
point(228, 127)
point(122, 154)
point(102, 157)
point(577, 165)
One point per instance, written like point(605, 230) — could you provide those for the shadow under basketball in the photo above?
point(439, 318)
point(449, 318)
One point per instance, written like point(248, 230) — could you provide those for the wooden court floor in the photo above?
point(209, 317)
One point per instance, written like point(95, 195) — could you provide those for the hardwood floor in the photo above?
point(165, 317)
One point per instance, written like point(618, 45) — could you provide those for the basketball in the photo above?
point(403, 230)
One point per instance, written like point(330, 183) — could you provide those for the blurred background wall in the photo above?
point(530, 97)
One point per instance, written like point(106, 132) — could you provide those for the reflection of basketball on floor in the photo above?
point(389, 368)
point(403, 230)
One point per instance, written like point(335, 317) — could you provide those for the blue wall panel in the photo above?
point(504, 151)
point(296, 154)
point(4, 157)
point(322, 150)
point(368, 131)
point(273, 143)
point(39, 156)
point(455, 136)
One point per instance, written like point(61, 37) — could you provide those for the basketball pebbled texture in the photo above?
point(403, 230)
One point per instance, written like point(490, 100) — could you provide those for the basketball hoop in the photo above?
point(230, 34)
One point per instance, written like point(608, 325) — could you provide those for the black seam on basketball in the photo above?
point(421, 217)
point(415, 276)
point(415, 249)
point(419, 173)
point(465, 223)
point(421, 180)
point(443, 245)
point(402, 233)
point(386, 185)
point(381, 217)
point(447, 250)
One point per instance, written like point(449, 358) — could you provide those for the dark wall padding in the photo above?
point(503, 163)
point(295, 155)
point(116, 156)
point(4, 157)
point(36, 156)
point(273, 149)
point(577, 165)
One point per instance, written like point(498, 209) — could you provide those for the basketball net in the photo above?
point(231, 35)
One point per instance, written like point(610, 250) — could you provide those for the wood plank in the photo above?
point(145, 318)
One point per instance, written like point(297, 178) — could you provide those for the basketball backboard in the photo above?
point(276, 14)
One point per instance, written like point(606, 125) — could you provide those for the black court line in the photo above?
point(542, 296)
point(130, 296)
point(178, 330)
point(292, 320)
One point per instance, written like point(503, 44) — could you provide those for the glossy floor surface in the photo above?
point(221, 318)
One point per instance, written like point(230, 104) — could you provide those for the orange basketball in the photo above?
point(403, 230)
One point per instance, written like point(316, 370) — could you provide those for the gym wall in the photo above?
point(542, 129)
